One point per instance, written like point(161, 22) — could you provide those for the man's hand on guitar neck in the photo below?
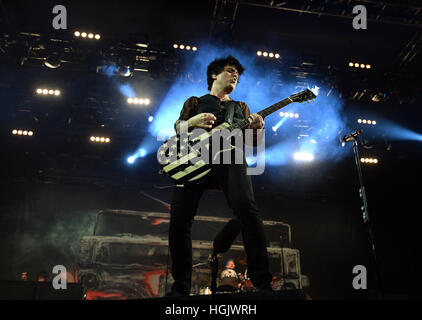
point(256, 121)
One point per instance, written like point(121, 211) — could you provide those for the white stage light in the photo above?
point(303, 156)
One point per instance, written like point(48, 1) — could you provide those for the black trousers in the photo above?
point(237, 187)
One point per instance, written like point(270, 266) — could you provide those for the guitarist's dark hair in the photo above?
point(217, 66)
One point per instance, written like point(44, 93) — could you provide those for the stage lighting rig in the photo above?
point(100, 139)
point(144, 101)
point(369, 160)
point(268, 54)
point(20, 132)
point(86, 35)
point(359, 65)
point(50, 92)
point(185, 47)
point(370, 122)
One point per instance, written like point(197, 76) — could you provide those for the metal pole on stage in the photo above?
point(364, 208)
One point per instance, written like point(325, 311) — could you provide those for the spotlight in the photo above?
point(194, 48)
point(15, 131)
point(359, 120)
point(30, 133)
point(271, 55)
point(374, 122)
point(25, 133)
point(130, 100)
point(83, 34)
point(45, 91)
point(39, 91)
point(368, 66)
point(296, 115)
point(20, 132)
point(181, 46)
point(92, 139)
point(277, 56)
point(259, 53)
point(50, 91)
point(90, 36)
point(135, 100)
point(265, 54)
point(102, 139)
point(107, 140)
point(362, 66)
point(142, 152)
point(126, 71)
point(97, 139)
point(175, 46)
point(57, 92)
point(150, 118)
point(131, 159)
point(303, 156)
point(351, 64)
point(97, 36)
point(357, 65)
point(281, 114)
point(187, 47)
point(147, 101)
point(364, 121)
point(77, 33)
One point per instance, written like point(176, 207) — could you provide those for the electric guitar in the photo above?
point(185, 157)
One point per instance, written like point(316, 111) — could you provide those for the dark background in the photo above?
point(53, 186)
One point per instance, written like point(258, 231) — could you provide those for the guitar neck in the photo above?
point(263, 113)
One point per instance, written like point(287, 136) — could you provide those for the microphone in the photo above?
point(352, 136)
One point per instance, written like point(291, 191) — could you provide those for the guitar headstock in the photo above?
point(303, 96)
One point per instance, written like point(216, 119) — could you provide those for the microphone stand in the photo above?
point(366, 220)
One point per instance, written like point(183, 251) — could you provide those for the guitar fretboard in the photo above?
point(263, 113)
